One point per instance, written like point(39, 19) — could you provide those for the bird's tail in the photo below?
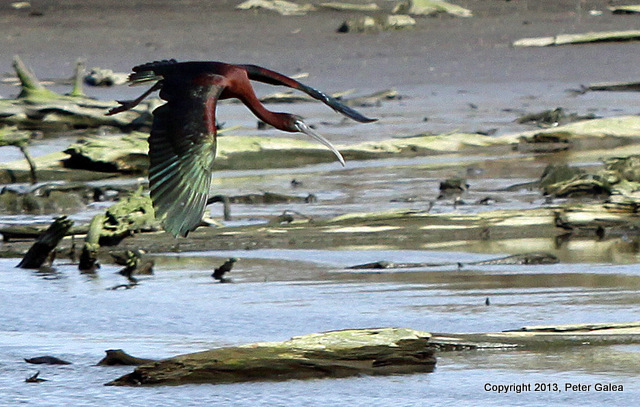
point(149, 72)
point(264, 75)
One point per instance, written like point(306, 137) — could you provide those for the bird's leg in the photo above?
point(130, 104)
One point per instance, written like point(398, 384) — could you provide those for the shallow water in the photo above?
point(281, 293)
point(277, 294)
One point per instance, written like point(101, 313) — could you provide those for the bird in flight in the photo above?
point(182, 143)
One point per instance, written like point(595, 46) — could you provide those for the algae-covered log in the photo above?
point(37, 107)
point(126, 217)
point(329, 354)
point(127, 153)
point(89, 254)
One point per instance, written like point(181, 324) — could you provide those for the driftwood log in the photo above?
point(329, 354)
point(48, 240)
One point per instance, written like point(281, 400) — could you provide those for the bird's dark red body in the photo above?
point(182, 143)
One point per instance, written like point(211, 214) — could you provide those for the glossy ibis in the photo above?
point(182, 144)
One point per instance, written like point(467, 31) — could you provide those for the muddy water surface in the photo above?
point(276, 294)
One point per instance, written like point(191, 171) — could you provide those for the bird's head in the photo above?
point(295, 124)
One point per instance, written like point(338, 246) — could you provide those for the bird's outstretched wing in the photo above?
point(258, 73)
point(182, 147)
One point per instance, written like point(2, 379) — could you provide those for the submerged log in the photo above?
point(89, 254)
point(633, 86)
point(330, 354)
point(46, 360)
point(542, 337)
point(39, 252)
point(516, 259)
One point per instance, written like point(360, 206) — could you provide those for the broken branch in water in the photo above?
point(47, 241)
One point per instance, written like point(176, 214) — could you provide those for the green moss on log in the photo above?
point(328, 354)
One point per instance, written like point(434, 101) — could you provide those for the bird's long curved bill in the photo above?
point(303, 128)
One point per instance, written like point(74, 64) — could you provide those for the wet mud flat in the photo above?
point(441, 250)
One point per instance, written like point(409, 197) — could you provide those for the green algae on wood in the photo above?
point(124, 153)
point(330, 354)
point(128, 216)
point(39, 108)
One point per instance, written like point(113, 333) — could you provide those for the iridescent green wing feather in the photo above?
point(182, 147)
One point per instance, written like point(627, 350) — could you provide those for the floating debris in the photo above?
point(18, 5)
point(619, 179)
point(266, 198)
point(431, 8)
point(374, 99)
point(552, 118)
point(35, 378)
point(367, 24)
point(37, 107)
point(349, 6)
point(565, 39)
point(47, 360)
point(46, 243)
point(612, 87)
point(546, 142)
point(45, 198)
point(453, 187)
point(134, 264)
point(219, 272)
point(286, 8)
point(630, 9)
point(295, 97)
point(516, 259)
point(105, 77)
point(124, 153)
